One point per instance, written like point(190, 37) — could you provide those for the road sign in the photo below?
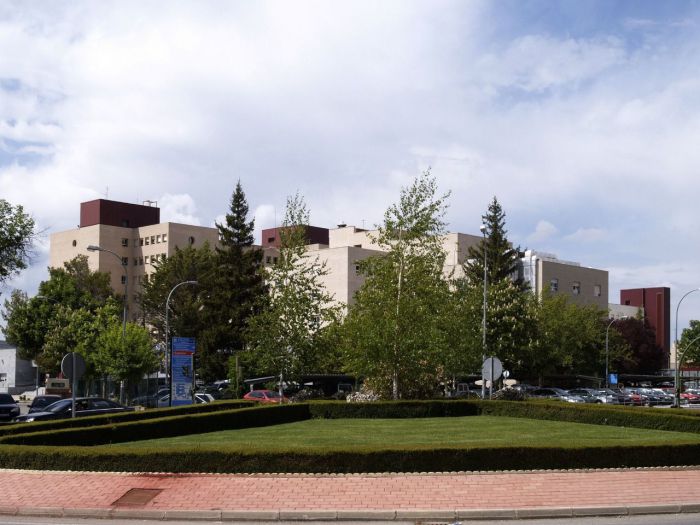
point(186, 344)
point(492, 368)
point(67, 365)
point(612, 379)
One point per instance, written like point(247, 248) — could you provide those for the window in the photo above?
point(268, 259)
point(140, 261)
point(136, 261)
point(147, 243)
point(158, 238)
point(357, 269)
point(627, 302)
point(191, 240)
point(270, 239)
point(576, 288)
point(163, 256)
point(147, 257)
point(123, 279)
point(125, 261)
point(141, 241)
point(75, 243)
point(153, 239)
point(554, 285)
point(125, 242)
point(274, 260)
point(165, 237)
point(597, 291)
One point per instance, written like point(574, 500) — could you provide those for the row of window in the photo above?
point(270, 260)
point(149, 259)
point(146, 241)
point(575, 287)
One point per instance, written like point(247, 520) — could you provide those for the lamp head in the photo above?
point(482, 228)
point(93, 248)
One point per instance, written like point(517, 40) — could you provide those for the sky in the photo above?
point(582, 118)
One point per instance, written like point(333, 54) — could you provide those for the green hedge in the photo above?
point(54, 449)
point(325, 461)
point(164, 427)
point(122, 417)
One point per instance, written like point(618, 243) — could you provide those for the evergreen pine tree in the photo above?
point(501, 257)
point(234, 290)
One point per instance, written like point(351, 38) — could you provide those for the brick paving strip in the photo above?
point(421, 496)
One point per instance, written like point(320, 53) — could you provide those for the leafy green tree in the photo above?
point(125, 358)
point(235, 290)
point(16, 238)
point(636, 352)
point(56, 320)
point(394, 331)
point(284, 336)
point(185, 316)
point(690, 343)
point(569, 339)
point(501, 258)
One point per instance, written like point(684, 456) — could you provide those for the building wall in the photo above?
point(113, 213)
point(579, 284)
point(136, 250)
point(16, 375)
point(314, 235)
point(657, 307)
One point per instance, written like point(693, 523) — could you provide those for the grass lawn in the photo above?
point(421, 432)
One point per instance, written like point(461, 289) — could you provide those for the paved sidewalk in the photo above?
point(425, 496)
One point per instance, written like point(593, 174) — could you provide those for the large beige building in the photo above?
point(131, 237)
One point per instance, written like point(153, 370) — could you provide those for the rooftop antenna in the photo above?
point(363, 224)
point(106, 192)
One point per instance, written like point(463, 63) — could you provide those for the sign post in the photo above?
point(182, 367)
point(73, 367)
point(491, 370)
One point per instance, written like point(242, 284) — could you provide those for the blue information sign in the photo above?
point(182, 369)
point(184, 343)
point(612, 379)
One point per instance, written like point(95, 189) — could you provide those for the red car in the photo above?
point(265, 396)
point(690, 397)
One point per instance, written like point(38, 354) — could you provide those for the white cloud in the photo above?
point(544, 230)
point(587, 235)
point(178, 208)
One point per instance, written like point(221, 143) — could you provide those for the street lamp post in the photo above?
point(168, 348)
point(483, 320)
point(676, 375)
point(94, 248)
point(681, 357)
point(607, 349)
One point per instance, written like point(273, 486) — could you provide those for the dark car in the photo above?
point(554, 393)
point(84, 406)
point(39, 403)
point(9, 409)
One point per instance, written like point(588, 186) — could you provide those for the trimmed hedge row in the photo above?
point(171, 426)
point(220, 460)
point(32, 450)
point(122, 417)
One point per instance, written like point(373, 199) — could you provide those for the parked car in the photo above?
point(589, 395)
point(39, 403)
point(9, 409)
point(150, 401)
point(84, 406)
point(555, 393)
point(201, 397)
point(614, 397)
point(265, 396)
point(690, 397)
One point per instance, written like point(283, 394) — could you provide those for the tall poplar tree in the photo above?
point(395, 335)
point(235, 289)
point(286, 337)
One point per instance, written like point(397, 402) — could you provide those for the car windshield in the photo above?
point(6, 399)
point(59, 406)
point(273, 394)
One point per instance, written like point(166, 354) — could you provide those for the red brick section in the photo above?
point(355, 492)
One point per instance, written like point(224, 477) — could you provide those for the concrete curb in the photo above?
point(436, 516)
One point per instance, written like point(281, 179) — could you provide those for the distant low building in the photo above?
point(16, 375)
